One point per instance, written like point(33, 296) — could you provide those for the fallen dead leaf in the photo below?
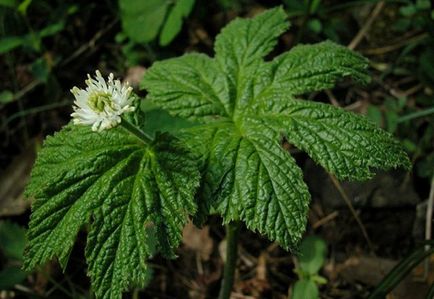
point(198, 240)
point(12, 182)
point(371, 270)
point(134, 75)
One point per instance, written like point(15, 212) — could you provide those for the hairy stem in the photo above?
point(136, 131)
point(232, 232)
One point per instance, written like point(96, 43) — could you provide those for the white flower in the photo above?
point(102, 103)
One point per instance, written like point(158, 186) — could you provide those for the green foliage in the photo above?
point(401, 270)
point(317, 20)
point(30, 40)
point(158, 120)
point(143, 21)
point(12, 242)
point(248, 105)
point(136, 198)
point(305, 289)
point(313, 251)
point(173, 24)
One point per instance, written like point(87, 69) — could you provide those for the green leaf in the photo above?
point(141, 20)
point(346, 144)
point(133, 195)
point(308, 68)
point(190, 86)
point(243, 41)
point(374, 114)
point(8, 3)
point(158, 120)
point(12, 240)
point(261, 183)
point(9, 43)
point(305, 289)
point(173, 24)
point(315, 25)
point(51, 29)
point(24, 5)
point(6, 96)
point(313, 251)
point(248, 106)
point(10, 276)
point(32, 40)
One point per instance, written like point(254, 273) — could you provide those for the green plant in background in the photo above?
point(401, 270)
point(143, 21)
point(316, 19)
point(313, 251)
point(32, 40)
point(17, 33)
point(136, 191)
point(12, 242)
point(390, 118)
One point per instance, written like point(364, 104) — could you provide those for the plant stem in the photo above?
point(136, 131)
point(417, 114)
point(232, 232)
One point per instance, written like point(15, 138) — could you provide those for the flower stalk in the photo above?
point(130, 128)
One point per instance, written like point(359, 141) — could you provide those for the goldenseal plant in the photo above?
point(136, 192)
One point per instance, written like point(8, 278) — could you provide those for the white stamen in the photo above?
point(102, 103)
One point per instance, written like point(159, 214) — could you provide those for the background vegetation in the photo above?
point(48, 46)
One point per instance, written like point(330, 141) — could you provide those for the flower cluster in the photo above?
point(102, 103)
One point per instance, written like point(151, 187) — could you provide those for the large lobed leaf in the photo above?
point(136, 198)
point(248, 105)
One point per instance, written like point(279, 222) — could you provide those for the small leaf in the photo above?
point(9, 43)
point(313, 251)
point(6, 96)
point(305, 289)
point(315, 25)
point(375, 115)
point(141, 20)
point(41, 69)
point(24, 5)
point(10, 276)
point(391, 121)
point(12, 240)
point(51, 29)
point(173, 24)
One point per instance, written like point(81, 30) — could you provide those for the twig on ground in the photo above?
point(325, 220)
point(362, 32)
point(353, 212)
point(91, 43)
point(332, 98)
point(428, 224)
point(396, 46)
